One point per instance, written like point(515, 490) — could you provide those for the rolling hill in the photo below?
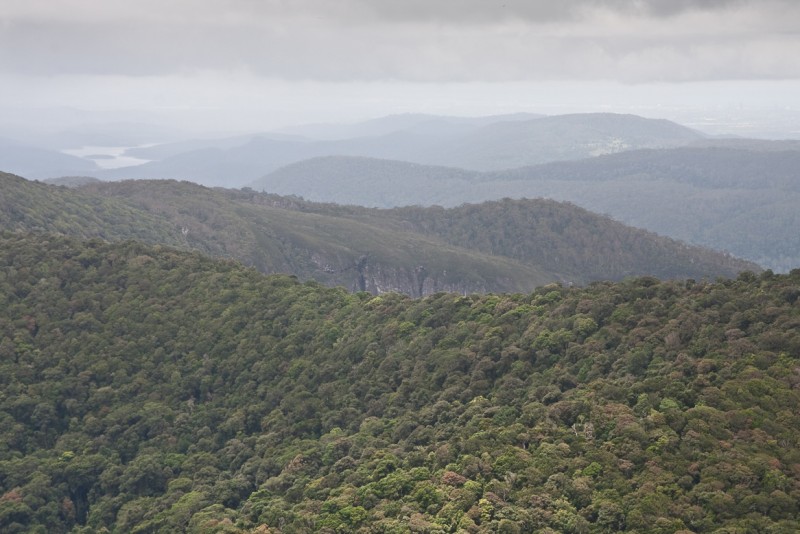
point(478, 144)
point(739, 195)
point(417, 252)
point(557, 138)
point(369, 182)
point(239, 165)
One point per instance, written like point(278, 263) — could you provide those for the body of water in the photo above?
point(106, 157)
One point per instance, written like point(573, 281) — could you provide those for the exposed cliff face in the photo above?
point(366, 273)
point(417, 282)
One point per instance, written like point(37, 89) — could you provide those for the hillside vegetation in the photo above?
point(35, 206)
point(150, 390)
point(508, 246)
point(562, 238)
point(369, 182)
point(71, 181)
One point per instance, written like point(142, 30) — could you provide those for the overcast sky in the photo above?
point(262, 63)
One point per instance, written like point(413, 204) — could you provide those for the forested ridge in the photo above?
point(493, 247)
point(146, 389)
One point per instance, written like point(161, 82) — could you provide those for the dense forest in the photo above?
point(499, 247)
point(147, 389)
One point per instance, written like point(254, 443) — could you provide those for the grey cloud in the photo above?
point(483, 11)
point(480, 12)
point(356, 11)
point(417, 40)
point(665, 8)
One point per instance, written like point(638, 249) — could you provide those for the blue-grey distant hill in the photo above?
point(39, 163)
point(737, 196)
point(420, 123)
point(387, 135)
point(562, 137)
point(485, 144)
point(237, 166)
point(168, 150)
point(370, 182)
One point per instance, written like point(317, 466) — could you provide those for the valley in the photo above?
point(385, 267)
point(352, 343)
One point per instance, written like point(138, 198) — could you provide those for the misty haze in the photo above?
point(374, 266)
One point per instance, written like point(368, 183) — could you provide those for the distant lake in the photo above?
point(106, 157)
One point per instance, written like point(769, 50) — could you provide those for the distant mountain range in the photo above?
point(739, 196)
point(496, 246)
point(420, 123)
point(488, 143)
point(475, 143)
point(563, 137)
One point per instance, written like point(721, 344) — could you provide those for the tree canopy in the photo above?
point(147, 389)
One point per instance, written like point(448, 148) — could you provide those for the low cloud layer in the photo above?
point(631, 41)
point(248, 65)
